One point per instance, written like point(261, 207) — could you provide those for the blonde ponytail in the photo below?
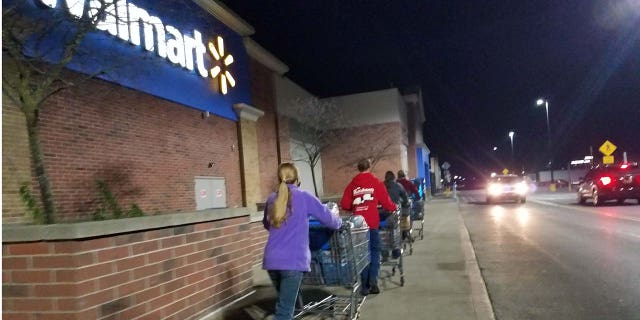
point(287, 174)
point(279, 210)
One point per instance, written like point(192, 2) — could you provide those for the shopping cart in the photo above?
point(337, 263)
point(406, 226)
point(417, 217)
point(391, 247)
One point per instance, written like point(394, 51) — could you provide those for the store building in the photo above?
point(419, 166)
point(382, 125)
point(185, 130)
point(189, 124)
point(288, 94)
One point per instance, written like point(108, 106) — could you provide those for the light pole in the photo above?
point(540, 102)
point(511, 134)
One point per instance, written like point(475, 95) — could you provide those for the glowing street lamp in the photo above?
point(546, 107)
point(545, 102)
point(511, 134)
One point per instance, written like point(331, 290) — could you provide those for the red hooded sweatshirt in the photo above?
point(409, 187)
point(362, 196)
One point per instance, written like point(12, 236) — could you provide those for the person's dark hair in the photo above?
point(364, 164)
point(389, 176)
point(401, 174)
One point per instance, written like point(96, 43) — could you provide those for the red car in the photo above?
point(610, 182)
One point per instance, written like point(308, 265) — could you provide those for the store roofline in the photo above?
point(262, 55)
point(226, 16)
point(244, 29)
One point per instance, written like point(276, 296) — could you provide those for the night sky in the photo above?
point(481, 66)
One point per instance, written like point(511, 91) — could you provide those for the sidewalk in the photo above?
point(442, 279)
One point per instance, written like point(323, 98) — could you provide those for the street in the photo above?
point(553, 259)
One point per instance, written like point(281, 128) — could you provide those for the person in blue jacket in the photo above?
point(286, 254)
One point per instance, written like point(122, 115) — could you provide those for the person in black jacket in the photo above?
point(397, 195)
point(395, 189)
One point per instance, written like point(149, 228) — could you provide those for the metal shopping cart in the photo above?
point(417, 217)
point(337, 263)
point(406, 226)
point(391, 247)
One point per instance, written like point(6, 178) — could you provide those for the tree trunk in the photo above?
point(313, 177)
point(43, 180)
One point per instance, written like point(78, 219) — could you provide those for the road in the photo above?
point(553, 259)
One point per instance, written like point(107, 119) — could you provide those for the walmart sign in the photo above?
point(172, 49)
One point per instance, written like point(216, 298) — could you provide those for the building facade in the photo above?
point(195, 151)
point(382, 125)
point(196, 160)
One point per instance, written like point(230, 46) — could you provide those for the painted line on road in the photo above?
point(552, 204)
point(629, 234)
point(617, 232)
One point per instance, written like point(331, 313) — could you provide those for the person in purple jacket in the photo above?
point(286, 254)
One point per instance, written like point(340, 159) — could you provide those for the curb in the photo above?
point(479, 295)
point(216, 314)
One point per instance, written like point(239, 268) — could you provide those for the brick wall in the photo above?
point(147, 149)
point(412, 125)
point(339, 162)
point(16, 168)
point(259, 238)
point(285, 145)
point(263, 96)
point(175, 273)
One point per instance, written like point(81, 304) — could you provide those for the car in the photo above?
point(610, 182)
point(531, 184)
point(506, 187)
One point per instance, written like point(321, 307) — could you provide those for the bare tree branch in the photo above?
point(35, 74)
point(312, 123)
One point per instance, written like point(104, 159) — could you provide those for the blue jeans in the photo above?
point(369, 275)
point(287, 284)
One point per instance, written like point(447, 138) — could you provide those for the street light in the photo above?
point(511, 134)
point(540, 102)
point(546, 107)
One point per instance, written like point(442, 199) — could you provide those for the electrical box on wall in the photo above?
point(211, 192)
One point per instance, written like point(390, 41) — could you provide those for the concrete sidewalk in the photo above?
point(442, 279)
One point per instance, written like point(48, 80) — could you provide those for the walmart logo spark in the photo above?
point(221, 72)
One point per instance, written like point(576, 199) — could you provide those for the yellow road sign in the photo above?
point(607, 159)
point(505, 171)
point(607, 148)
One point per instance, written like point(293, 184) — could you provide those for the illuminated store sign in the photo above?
point(126, 21)
point(188, 53)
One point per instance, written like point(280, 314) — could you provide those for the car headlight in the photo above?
point(521, 188)
point(494, 189)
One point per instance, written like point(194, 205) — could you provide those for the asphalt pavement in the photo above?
point(442, 279)
point(552, 258)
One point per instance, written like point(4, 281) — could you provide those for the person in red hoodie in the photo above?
point(361, 197)
point(408, 186)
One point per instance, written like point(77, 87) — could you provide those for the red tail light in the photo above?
point(624, 166)
point(605, 180)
